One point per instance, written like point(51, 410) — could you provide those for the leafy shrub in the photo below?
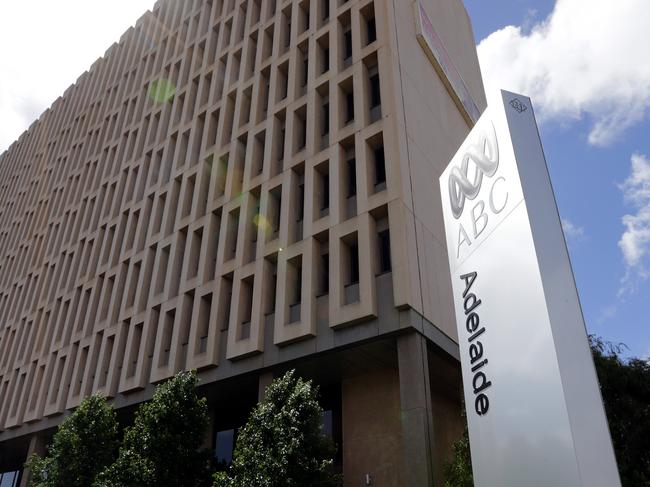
point(85, 443)
point(282, 444)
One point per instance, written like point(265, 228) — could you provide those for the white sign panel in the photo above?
point(534, 408)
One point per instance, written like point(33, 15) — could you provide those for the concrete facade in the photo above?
point(240, 187)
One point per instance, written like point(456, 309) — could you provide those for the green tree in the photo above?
point(163, 446)
point(458, 471)
point(282, 444)
point(625, 387)
point(85, 443)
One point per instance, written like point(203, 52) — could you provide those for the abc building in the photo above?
point(243, 187)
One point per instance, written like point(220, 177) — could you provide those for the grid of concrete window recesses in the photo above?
point(219, 168)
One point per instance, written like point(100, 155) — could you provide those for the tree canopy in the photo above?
point(282, 444)
point(163, 446)
point(458, 471)
point(84, 444)
point(625, 387)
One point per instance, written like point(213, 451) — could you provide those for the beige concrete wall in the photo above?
point(446, 405)
point(399, 422)
point(372, 438)
point(429, 130)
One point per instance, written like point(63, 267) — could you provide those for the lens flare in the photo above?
point(161, 90)
point(261, 222)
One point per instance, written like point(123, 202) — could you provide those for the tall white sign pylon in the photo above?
point(534, 408)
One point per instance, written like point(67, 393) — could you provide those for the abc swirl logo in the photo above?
point(484, 153)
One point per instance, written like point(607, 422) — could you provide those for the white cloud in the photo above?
point(572, 232)
point(46, 46)
point(585, 60)
point(607, 313)
point(635, 241)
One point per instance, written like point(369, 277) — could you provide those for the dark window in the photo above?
point(372, 30)
point(276, 215)
point(375, 92)
point(326, 9)
point(326, 119)
point(228, 298)
point(325, 277)
point(274, 285)
point(326, 59)
point(352, 177)
point(326, 192)
point(301, 202)
point(347, 39)
point(305, 70)
point(303, 134)
point(384, 251)
point(225, 444)
point(285, 86)
point(281, 151)
point(328, 424)
point(349, 104)
point(298, 283)
point(331, 420)
point(254, 232)
point(267, 89)
point(354, 264)
point(380, 166)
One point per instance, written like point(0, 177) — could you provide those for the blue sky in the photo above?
point(589, 79)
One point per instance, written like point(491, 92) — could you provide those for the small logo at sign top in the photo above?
point(484, 153)
point(518, 105)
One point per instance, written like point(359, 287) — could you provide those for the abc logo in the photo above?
point(480, 162)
